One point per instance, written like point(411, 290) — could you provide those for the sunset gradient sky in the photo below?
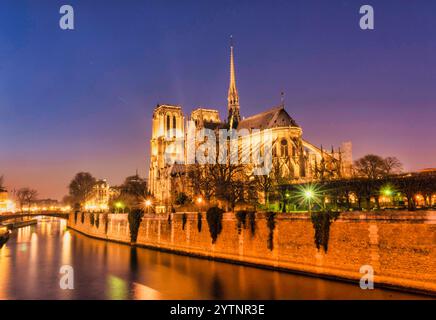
point(82, 100)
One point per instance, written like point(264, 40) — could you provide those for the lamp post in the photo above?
point(199, 203)
point(287, 196)
point(148, 205)
point(118, 205)
point(388, 192)
point(309, 195)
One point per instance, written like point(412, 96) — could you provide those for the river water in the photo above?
point(30, 265)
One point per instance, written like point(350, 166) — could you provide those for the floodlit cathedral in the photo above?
point(299, 159)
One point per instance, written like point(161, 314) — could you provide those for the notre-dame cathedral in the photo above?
point(300, 160)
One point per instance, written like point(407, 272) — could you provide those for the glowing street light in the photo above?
point(387, 191)
point(199, 202)
point(119, 205)
point(148, 205)
point(308, 194)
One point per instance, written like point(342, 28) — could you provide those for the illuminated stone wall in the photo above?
point(401, 247)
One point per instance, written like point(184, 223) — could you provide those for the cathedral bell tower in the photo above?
point(233, 98)
point(166, 148)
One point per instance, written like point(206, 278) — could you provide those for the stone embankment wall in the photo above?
point(399, 246)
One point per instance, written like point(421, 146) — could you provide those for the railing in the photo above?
point(5, 217)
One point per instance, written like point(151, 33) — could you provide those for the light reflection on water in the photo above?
point(31, 259)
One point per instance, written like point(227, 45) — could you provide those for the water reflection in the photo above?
point(66, 247)
point(31, 259)
point(116, 288)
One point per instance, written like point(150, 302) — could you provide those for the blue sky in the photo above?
point(83, 99)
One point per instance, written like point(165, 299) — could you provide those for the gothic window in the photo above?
point(174, 125)
point(168, 125)
point(274, 150)
point(284, 148)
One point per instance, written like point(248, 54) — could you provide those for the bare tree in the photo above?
point(374, 167)
point(132, 193)
point(370, 166)
point(200, 181)
point(136, 186)
point(392, 165)
point(228, 182)
point(264, 183)
point(26, 196)
point(81, 187)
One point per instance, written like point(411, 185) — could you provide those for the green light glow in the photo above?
point(116, 288)
point(387, 191)
point(309, 194)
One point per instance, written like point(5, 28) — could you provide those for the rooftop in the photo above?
point(272, 118)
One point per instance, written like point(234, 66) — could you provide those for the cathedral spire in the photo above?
point(233, 97)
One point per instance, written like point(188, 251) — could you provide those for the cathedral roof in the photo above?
point(214, 125)
point(272, 118)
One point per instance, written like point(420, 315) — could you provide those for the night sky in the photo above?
point(82, 100)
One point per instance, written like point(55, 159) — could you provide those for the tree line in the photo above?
point(25, 196)
point(126, 197)
point(373, 178)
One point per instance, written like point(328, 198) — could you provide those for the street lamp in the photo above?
point(285, 202)
point(118, 205)
point(308, 194)
point(199, 202)
point(388, 191)
point(148, 204)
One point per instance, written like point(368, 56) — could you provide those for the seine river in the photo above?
point(30, 265)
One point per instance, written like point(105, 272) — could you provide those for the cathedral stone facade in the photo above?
point(299, 160)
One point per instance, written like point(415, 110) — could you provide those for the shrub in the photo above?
point(199, 221)
point(106, 222)
point(252, 220)
point(241, 217)
point(321, 223)
point(271, 224)
point(214, 218)
point(135, 218)
point(184, 219)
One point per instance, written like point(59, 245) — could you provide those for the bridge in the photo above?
point(5, 217)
